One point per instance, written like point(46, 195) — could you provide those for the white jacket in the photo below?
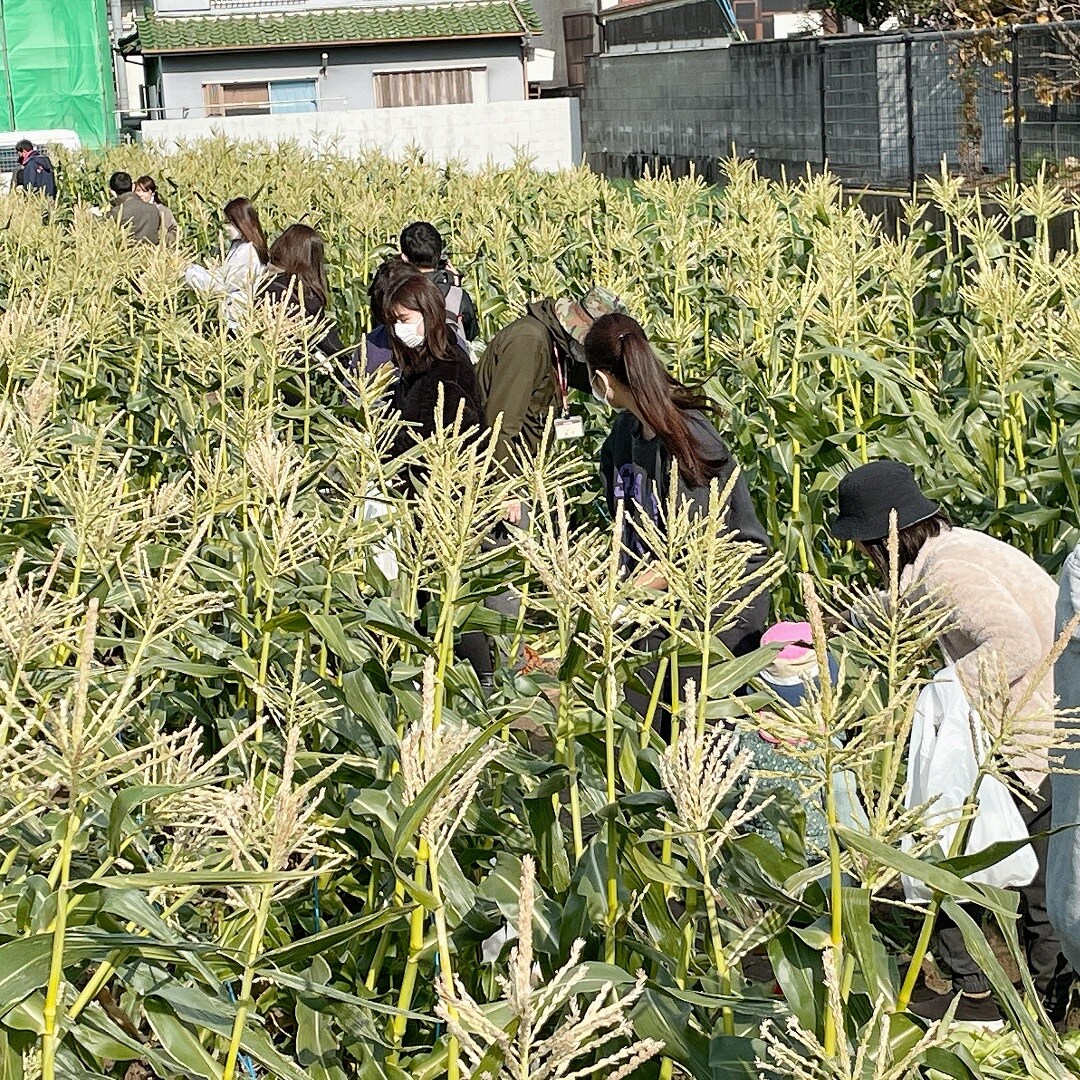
point(235, 280)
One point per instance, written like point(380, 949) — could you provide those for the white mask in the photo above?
point(412, 337)
point(600, 395)
point(232, 232)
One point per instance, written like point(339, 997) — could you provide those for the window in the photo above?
point(293, 96)
point(749, 23)
point(261, 98)
point(446, 86)
point(578, 34)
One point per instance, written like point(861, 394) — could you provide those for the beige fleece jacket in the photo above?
point(1004, 603)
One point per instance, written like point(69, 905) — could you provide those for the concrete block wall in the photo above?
point(689, 107)
point(678, 108)
point(477, 135)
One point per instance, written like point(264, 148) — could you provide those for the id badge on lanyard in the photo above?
point(567, 427)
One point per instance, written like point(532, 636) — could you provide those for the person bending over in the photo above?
point(1003, 608)
point(660, 422)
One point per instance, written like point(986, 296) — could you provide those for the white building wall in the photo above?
point(476, 135)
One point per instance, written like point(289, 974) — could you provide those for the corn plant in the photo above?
point(258, 820)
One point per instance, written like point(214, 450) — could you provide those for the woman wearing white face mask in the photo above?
point(427, 357)
point(661, 422)
point(238, 277)
point(430, 361)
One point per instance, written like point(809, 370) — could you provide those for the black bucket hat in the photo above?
point(870, 493)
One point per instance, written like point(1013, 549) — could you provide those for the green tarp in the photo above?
point(58, 68)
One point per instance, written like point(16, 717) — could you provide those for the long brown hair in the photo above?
point(617, 345)
point(910, 542)
point(245, 217)
point(414, 292)
point(300, 253)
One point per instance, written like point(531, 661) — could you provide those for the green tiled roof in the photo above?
point(344, 26)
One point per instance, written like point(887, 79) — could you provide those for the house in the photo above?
point(569, 35)
point(636, 25)
point(221, 58)
point(649, 22)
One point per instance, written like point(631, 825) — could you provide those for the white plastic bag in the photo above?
point(943, 764)
point(384, 555)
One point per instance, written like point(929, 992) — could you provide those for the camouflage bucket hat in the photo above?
point(577, 316)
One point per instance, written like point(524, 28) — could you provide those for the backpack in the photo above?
point(455, 301)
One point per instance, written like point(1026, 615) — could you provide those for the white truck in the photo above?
point(42, 140)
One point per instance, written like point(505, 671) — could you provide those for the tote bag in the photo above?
point(947, 744)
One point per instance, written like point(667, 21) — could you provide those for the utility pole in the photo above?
point(116, 24)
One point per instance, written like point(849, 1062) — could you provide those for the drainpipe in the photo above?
point(526, 45)
point(116, 17)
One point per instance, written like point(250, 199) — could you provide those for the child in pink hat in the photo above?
point(793, 668)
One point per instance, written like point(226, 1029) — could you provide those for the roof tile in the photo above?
point(344, 26)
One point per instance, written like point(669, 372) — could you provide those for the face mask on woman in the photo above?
point(599, 388)
point(411, 335)
point(232, 232)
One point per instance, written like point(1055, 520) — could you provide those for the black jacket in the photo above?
point(637, 473)
point(278, 290)
point(36, 174)
point(416, 397)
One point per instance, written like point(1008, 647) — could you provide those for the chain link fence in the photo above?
point(894, 109)
point(884, 110)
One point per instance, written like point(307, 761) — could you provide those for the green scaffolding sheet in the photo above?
point(58, 68)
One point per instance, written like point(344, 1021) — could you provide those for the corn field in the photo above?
point(257, 821)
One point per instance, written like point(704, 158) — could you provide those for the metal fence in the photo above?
point(895, 108)
point(884, 110)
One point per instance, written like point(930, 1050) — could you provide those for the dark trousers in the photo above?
point(1037, 936)
point(507, 604)
point(472, 646)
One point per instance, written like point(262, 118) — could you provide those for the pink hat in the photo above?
point(796, 637)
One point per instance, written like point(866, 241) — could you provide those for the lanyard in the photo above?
point(561, 382)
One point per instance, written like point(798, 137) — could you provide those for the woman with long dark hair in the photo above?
point(237, 278)
point(298, 269)
point(1003, 608)
point(429, 360)
point(661, 422)
point(427, 357)
point(377, 345)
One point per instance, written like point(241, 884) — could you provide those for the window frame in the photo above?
point(221, 109)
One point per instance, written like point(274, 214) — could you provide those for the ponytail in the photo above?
point(617, 345)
